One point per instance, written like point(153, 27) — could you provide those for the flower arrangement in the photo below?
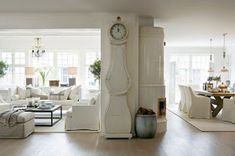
point(43, 72)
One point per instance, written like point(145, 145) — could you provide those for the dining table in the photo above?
point(216, 99)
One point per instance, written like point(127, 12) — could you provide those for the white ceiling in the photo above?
point(186, 22)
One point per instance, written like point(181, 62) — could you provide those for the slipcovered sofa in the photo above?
point(64, 96)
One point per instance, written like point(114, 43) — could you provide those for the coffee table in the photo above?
point(51, 112)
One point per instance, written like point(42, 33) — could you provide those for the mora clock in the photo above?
point(117, 116)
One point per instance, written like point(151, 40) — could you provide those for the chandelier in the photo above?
point(224, 69)
point(210, 70)
point(37, 50)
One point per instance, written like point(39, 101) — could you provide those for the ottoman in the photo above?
point(23, 128)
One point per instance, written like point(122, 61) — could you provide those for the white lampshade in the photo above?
point(29, 71)
point(72, 71)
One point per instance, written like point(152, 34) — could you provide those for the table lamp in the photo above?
point(29, 73)
point(72, 72)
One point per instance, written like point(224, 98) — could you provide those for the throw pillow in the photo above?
point(23, 93)
point(66, 93)
point(37, 92)
point(92, 101)
point(75, 93)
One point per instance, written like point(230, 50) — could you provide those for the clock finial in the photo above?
point(119, 18)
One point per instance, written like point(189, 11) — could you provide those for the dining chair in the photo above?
point(182, 98)
point(228, 111)
point(188, 100)
point(200, 105)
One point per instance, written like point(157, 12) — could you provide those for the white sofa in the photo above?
point(66, 103)
point(85, 115)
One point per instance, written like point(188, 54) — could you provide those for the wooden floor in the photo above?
point(181, 139)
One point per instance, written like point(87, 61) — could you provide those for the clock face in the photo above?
point(118, 31)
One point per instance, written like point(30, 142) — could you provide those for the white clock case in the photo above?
point(117, 117)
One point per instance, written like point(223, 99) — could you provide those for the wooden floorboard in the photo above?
point(181, 139)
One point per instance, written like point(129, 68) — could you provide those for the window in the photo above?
point(66, 60)
point(46, 60)
point(16, 70)
point(19, 58)
point(187, 69)
point(7, 57)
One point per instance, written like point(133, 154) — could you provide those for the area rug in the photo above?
point(205, 125)
point(59, 127)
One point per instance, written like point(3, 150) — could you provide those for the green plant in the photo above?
point(43, 72)
point(3, 69)
point(95, 69)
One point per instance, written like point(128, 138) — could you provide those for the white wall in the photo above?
point(87, 20)
point(25, 43)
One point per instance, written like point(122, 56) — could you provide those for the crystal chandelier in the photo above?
point(224, 69)
point(210, 70)
point(38, 50)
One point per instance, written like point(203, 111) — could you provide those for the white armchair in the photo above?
point(85, 115)
point(182, 98)
point(228, 112)
point(200, 105)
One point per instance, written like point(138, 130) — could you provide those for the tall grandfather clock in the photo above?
point(117, 115)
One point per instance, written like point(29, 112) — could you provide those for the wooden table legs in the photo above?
point(217, 109)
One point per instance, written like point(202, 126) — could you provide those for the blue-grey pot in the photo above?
point(146, 125)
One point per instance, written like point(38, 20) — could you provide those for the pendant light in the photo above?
point(224, 69)
point(211, 70)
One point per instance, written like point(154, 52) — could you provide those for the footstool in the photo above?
point(23, 128)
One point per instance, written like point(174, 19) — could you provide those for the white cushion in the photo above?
point(92, 101)
point(4, 107)
point(66, 93)
point(15, 97)
point(37, 92)
point(75, 93)
point(23, 93)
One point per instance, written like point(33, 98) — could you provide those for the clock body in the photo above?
point(117, 116)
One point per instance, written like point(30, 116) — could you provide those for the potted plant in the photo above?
point(95, 69)
point(3, 69)
point(146, 123)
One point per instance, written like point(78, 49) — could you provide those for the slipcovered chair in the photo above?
point(187, 99)
point(182, 98)
point(228, 112)
point(84, 116)
point(194, 86)
point(200, 105)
